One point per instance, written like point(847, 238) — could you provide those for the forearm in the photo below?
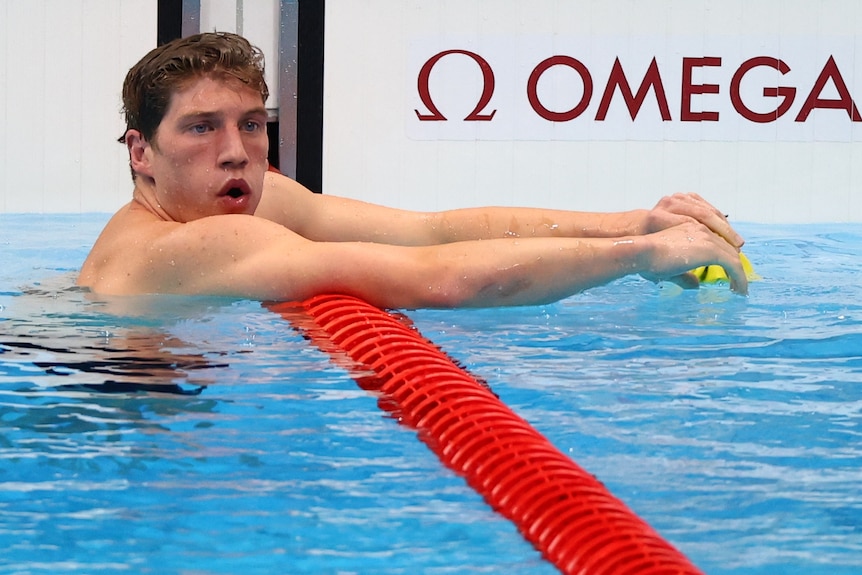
point(481, 274)
point(539, 270)
point(504, 222)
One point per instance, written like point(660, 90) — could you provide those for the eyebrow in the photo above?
point(201, 115)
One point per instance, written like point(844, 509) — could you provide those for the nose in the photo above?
point(232, 152)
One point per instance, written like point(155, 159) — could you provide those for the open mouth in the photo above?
point(235, 189)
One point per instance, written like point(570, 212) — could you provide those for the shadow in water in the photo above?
point(67, 339)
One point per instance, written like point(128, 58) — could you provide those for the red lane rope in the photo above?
point(563, 510)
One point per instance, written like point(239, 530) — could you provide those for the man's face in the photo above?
point(209, 154)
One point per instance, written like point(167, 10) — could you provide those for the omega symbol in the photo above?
point(425, 90)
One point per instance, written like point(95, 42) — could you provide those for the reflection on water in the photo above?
point(67, 334)
point(76, 382)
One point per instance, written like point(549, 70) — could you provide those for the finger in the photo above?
point(718, 224)
point(696, 207)
point(736, 273)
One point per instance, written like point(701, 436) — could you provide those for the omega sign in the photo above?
point(662, 90)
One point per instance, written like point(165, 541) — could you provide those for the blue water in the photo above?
point(206, 436)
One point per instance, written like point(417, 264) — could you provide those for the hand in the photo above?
point(676, 250)
point(681, 208)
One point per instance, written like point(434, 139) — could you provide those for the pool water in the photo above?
point(207, 436)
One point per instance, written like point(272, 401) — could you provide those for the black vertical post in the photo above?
point(169, 21)
point(309, 111)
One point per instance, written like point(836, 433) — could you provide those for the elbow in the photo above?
point(444, 287)
point(443, 293)
point(454, 288)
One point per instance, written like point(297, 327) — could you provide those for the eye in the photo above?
point(251, 126)
point(199, 128)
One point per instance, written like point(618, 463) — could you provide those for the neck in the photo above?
point(144, 197)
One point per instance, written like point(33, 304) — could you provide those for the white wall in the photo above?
point(62, 64)
point(781, 171)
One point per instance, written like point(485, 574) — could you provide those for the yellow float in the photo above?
point(714, 273)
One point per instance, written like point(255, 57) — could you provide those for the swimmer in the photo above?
point(207, 216)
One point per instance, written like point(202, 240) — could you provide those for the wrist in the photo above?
point(634, 223)
point(632, 254)
point(620, 224)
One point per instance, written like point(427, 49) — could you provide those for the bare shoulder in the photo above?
point(139, 253)
point(118, 250)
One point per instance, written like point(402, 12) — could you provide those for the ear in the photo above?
point(140, 152)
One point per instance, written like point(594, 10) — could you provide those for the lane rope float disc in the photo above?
point(564, 511)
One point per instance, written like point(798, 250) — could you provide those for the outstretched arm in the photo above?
point(249, 257)
point(331, 218)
